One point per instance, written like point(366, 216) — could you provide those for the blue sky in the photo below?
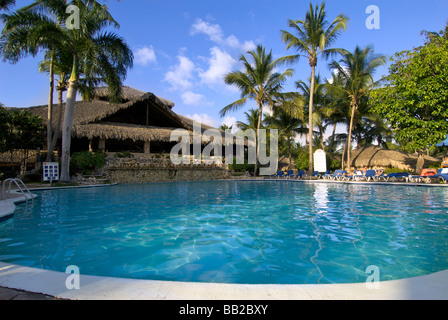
point(183, 48)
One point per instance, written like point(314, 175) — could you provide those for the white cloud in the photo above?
point(145, 55)
point(203, 118)
point(220, 63)
point(215, 34)
point(249, 46)
point(180, 75)
point(195, 99)
point(230, 122)
point(213, 31)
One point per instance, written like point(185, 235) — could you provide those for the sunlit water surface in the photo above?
point(261, 232)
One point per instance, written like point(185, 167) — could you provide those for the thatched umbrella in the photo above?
point(375, 157)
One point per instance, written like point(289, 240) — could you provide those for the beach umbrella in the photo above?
point(444, 143)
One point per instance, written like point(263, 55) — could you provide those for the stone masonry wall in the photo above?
point(132, 170)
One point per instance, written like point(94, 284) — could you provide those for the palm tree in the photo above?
point(356, 70)
point(59, 63)
point(314, 37)
point(5, 4)
point(259, 82)
point(288, 127)
point(95, 54)
point(252, 121)
point(319, 114)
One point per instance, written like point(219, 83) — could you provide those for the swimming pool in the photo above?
point(254, 232)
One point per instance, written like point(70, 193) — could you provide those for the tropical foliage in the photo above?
point(415, 98)
point(260, 82)
point(410, 109)
point(97, 56)
point(314, 36)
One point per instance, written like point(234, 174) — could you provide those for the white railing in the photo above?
point(28, 195)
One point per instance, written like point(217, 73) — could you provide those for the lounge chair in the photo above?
point(441, 175)
point(327, 175)
point(278, 174)
point(425, 176)
point(289, 174)
point(316, 174)
point(369, 175)
point(396, 176)
point(301, 174)
point(338, 174)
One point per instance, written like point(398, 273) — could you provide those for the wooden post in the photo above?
point(147, 147)
point(102, 144)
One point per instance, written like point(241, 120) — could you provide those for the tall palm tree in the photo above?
point(315, 36)
point(356, 70)
point(259, 81)
point(320, 111)
point(95, 54)
point(58, 63)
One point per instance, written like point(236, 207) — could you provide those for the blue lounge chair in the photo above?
point(440, 176)
point(327, 175)
point(316, 174)
point(278, 174)
point(290, 174)
point(370, 174)
point(397, 176)
point(425, 176)
point(301, 174)
point(338, 174)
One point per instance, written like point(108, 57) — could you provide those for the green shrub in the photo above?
point(86, 162)
point(241, 167)
point(434, 165)
point(395, 170)
point(124, 154)
point(303, 159)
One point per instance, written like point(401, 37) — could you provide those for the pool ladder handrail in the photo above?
point(17, 182)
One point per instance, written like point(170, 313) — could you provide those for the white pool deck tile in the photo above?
point(429, 287)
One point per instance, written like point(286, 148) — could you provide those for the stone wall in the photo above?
point(131, 170)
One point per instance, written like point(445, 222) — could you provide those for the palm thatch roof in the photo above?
point(376, 157)
point(122, 131)
point(128, 94)
point(145, 117)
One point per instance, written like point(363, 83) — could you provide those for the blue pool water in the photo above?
point(234, 232)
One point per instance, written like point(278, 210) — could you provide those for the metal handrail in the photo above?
point(17, 182)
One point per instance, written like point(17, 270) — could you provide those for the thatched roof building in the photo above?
point(142, 122)
point(376, 157)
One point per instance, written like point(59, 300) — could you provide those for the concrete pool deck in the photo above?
point(39, 284)
point(51, 283)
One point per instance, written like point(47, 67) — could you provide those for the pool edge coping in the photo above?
point(428, 287)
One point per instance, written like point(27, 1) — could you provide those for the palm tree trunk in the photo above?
point(332, 140)
point(50, 112)
point(260, 114)
point(68, 122)
point(289, 153)
point(349, 138)
point(310, 120)
point(57, 128)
